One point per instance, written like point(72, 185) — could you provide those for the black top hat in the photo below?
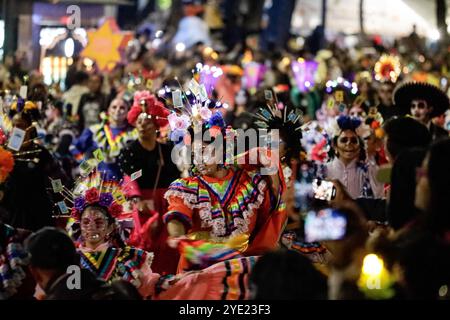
point(435, 97)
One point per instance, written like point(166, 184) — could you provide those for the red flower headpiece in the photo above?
point(92, 196)
point(146, 102)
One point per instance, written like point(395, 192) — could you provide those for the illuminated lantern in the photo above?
point(304, 74)
point(253, 75)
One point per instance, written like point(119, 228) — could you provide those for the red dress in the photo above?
point(150, 233)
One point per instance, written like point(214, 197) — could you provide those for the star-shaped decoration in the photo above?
point(104, 45)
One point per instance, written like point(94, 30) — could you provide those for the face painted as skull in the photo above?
point(94, 226)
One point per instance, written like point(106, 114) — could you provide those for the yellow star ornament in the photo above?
point(103, 45)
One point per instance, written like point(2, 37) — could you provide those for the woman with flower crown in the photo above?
point(221, 202)
point(96, 203)
point(216, 271)
point(350, 164)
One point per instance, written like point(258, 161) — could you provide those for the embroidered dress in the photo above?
point(110, 140)
point(224, 280)
point(128, 263)
point(217, 209)
point(227, 280)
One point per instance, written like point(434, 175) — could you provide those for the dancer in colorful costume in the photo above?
point(110, 137)
point(289, 123)
point(219, 201)
point(96, 204)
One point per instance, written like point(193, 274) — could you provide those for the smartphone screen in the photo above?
point(323, 190)
point(325, 224)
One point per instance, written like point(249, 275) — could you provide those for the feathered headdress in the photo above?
point(289, 121)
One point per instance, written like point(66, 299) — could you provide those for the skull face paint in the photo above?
point(94, 227)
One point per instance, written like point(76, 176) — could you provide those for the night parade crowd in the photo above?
point(355, 206)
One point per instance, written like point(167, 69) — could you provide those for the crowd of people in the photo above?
point(349, 201)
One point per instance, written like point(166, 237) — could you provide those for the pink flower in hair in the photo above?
point(176, 122)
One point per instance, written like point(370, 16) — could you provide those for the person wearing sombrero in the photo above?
point(424, 102)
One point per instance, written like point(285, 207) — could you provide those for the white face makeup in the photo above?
point(420, 110)
point(94, 226)
point(117, 111)
point(348, 145)
point(241, 99)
